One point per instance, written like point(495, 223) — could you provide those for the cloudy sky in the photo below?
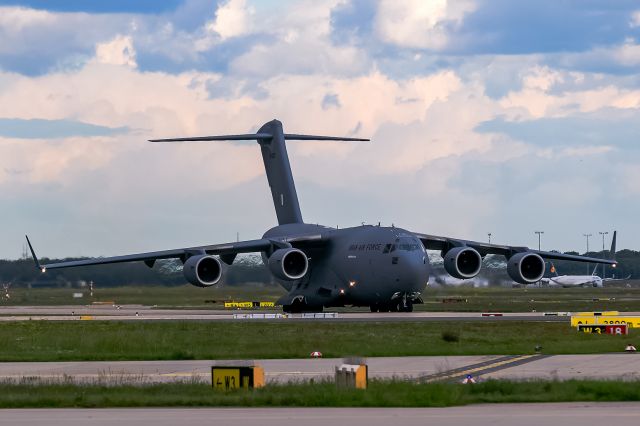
point(485, 116)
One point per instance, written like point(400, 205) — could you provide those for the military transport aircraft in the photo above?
point(385, 268)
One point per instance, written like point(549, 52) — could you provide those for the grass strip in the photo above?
point(380, 394)
point(169, 340)
point(458, 298)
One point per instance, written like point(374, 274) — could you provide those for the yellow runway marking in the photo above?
point(460, 373)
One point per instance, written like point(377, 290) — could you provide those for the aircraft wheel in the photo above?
point(295, 308)
point(405, 307)
point(374, 307)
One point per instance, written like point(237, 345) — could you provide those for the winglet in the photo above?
point(35, 258)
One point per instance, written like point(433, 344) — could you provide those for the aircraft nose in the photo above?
point(416, 269)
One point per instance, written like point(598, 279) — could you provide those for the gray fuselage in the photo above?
point(361, 266)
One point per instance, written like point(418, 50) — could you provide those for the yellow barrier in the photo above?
point(86, 317)
point(606, 320)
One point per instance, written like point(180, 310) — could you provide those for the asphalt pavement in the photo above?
point(565, 414)
point(147, 313)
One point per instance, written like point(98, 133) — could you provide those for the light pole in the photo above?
point(603, 255)
point(587, 235)
point(539, 234)
point(489, 234)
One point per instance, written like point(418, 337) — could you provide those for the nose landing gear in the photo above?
point(405, 305)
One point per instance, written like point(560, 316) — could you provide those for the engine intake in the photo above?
point(462, 262)
point(525, 268)
point(202, 270)
point(288, 264)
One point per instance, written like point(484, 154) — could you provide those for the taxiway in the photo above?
point(141, 313)
point(566, 414)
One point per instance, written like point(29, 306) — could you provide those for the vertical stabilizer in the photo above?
point(278, 169)
point(271, 138)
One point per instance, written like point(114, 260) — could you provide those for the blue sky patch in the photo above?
point(53, 129)
point(581, 130)
point(111, 6)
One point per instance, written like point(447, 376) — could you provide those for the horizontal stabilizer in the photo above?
point(272, 141)
point(247, 137)
point(294, 137)
point(257, 136)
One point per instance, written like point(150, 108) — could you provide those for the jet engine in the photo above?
point(525, 268)
point(202, 270)
point(462, 262)
point(288, 264)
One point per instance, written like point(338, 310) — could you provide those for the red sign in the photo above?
point(604, 329)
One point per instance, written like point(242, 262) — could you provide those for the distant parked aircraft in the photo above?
point(592, 280)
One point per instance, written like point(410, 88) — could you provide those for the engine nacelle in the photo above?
point(202, 270)
point(288, 264)
point(525, 268)
point(462, 262)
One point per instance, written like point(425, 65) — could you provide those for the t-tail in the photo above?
point(271, 138)
point(611, 256)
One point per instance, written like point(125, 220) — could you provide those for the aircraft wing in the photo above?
point(433, 242)
point(226, 251)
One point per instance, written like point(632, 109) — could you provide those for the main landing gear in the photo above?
point(403, 305)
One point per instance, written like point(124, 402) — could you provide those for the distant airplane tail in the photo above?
point(271, 138)
point(610, 256)
point(553, 269)
point(612, 251)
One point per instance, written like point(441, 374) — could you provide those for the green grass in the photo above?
point(529, 299)
point(380, 394)
point(149, 340)
point(186, 295)
point(478, 299)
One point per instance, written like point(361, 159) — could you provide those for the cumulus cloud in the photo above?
point(34, 42)
point(635, 19)
point(14, 20)
point(118, 51)
point(628, 54)
point(232, 19)
point(461, 144)
point(420, 23)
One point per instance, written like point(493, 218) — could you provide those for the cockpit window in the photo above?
point(408, 244)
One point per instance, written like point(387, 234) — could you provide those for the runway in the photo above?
point(567, 414)
point(146, 313)
point(424, 368)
